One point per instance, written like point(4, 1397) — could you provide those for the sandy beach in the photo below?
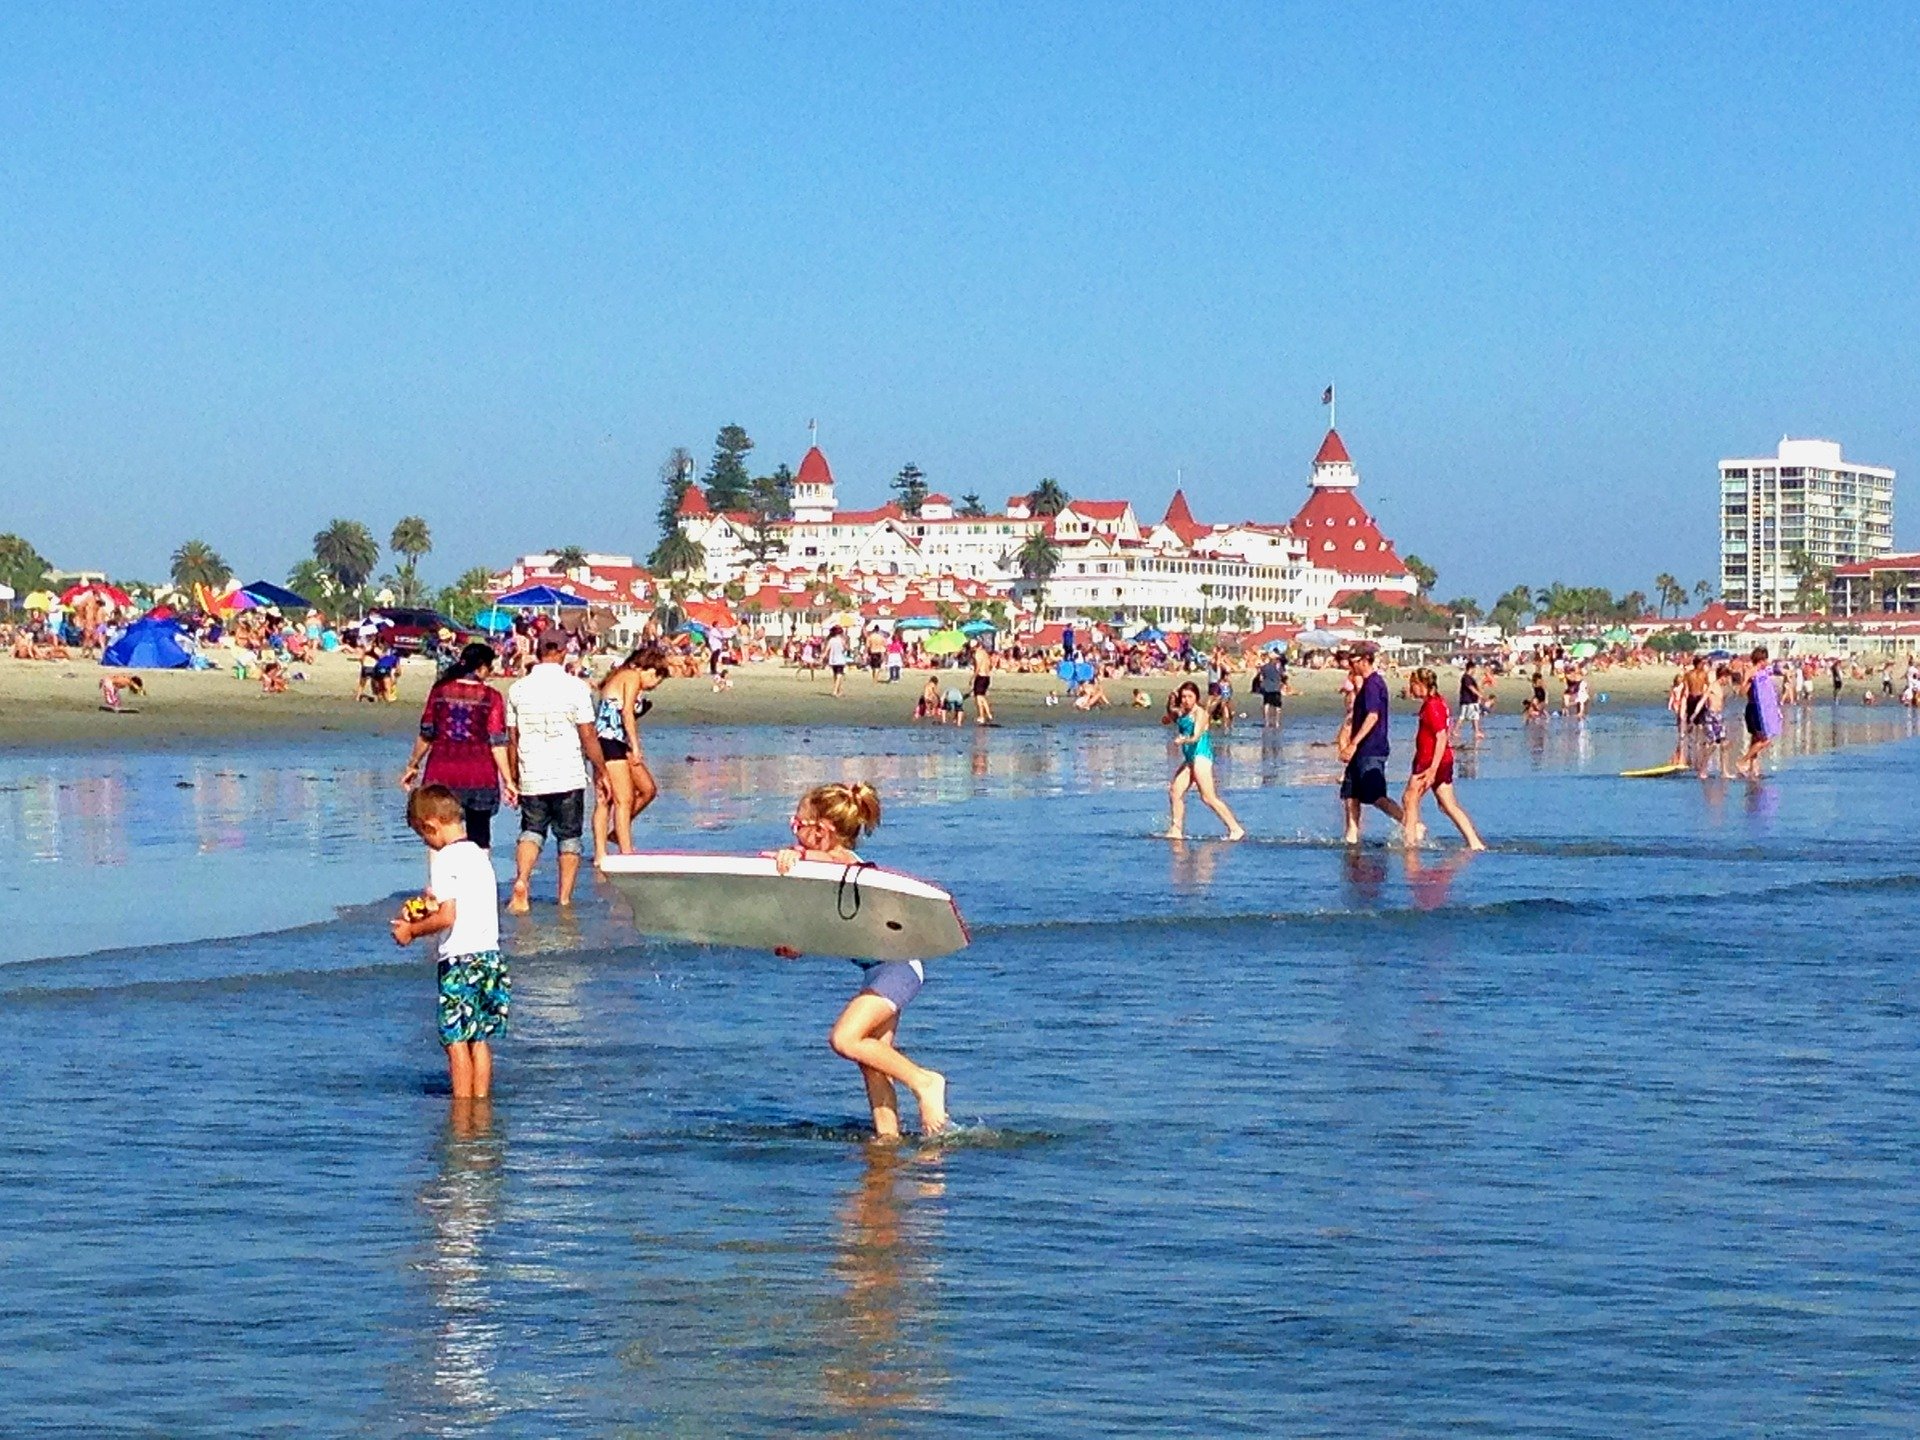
point(58, 704)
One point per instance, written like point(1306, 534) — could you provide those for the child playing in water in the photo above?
point(1433, 764)
point(1190, 720)
point(475, 991)
point(829, 819)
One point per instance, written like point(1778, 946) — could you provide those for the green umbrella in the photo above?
point(944, 642)
point(1618, 635)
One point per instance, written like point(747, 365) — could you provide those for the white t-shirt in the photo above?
point(462, 872)
point(836, 650)
point(548, 707)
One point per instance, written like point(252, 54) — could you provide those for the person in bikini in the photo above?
point(622, 701)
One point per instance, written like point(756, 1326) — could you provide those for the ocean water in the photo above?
point(1612, 1130)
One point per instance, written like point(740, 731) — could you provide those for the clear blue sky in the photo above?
point(267, 265)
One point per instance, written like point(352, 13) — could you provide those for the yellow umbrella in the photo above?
point(41, 600)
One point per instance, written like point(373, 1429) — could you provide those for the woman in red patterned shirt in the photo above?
point(463, 742)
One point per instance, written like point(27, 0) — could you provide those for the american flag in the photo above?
point(1326, 396)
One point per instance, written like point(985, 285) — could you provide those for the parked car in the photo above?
point(418, 631)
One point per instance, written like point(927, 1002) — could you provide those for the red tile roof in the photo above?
point(1333, 451)
point(1884, 562)
point(1341, 535)
point(814, 469)
point(694, 502)
point(1098, 509)
point(1179, 519)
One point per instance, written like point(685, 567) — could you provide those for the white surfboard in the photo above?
point(857, 912)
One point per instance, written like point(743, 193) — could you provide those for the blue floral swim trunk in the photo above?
point(475, 995)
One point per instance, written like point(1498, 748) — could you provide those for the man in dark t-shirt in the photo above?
point(1273, 688)
point(1364, 747)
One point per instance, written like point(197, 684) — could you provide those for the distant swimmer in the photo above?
point(829, 820)
point(1190, 721)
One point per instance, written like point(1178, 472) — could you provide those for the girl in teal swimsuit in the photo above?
point(1196, 765)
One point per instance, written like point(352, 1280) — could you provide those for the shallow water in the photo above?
point(1611, 1130)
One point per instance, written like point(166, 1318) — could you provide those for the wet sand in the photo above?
point(58, 704)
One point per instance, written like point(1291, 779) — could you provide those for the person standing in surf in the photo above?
point(828, 822)
point(462, 743)
point(462, 907)
point(1364, 748)
point(1763, 713)
point(617, 722)
point(1190, 720)
point(1433, 765)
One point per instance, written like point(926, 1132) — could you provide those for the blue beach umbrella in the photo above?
point(540, 597)
point(268, 593)
point(978, 627)
point(493, 620)
point(1274, 646)
point(1150, 634)
point(919, 622)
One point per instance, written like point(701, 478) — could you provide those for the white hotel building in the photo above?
point(1111, 566)
point(1803, 497)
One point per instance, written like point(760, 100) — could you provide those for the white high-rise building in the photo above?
point(1802, 507)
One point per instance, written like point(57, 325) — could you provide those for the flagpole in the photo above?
point(1333, 408)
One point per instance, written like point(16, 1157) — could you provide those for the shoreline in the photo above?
point(56, 705)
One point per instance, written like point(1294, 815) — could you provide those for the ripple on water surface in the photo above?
point(1610, 1130)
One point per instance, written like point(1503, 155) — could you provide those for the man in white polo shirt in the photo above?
point(551, 740)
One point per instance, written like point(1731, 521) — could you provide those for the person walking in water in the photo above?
point(827, 823)
point(1364, 748)
point(550, 725)
point(1190, 721)
point(623, 700)
point(1433, 764)
point(1763, 713)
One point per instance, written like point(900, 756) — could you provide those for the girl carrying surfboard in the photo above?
point(829, 820)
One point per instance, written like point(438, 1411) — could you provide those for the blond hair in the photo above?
point(852, 810)
point(1427, 678)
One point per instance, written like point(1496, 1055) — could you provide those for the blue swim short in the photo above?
point(895, 981)
point(475, 995)
point(1365, 779)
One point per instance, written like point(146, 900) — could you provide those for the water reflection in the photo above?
point(886, 1357)
point(463, 1200)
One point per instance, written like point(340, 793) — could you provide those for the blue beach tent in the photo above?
point(148, 645)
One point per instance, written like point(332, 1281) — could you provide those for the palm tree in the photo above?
point(348, 552)
point(1039, 558)
point(410, 539)
point(1424, 576)
point(310, 578)
point(1664, 585)
point(1047, 498)
point(198, 563)
point(569, 557)
point(676, 554)
point(1703, 590)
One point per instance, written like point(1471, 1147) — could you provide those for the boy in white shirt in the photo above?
point(462, 907)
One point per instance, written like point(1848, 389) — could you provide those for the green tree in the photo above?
point(1424, 576)
point(1047, 498)
point(310, 579)
point(1810, 581)
point(910, 486)
point(198, 563)
point(348, 552)
point(677, 554)
point(1664, 589)
point(768, 509)
point(1466, 609)
point(1241, 618)
point(568, 557)
point(1703, 591)
point(410, 540)
point(1039, 557)
point(467, 596)
point(1511, 610)
point(726, 480)
point(676, 478)
point(22, 568)
point(971, 508)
